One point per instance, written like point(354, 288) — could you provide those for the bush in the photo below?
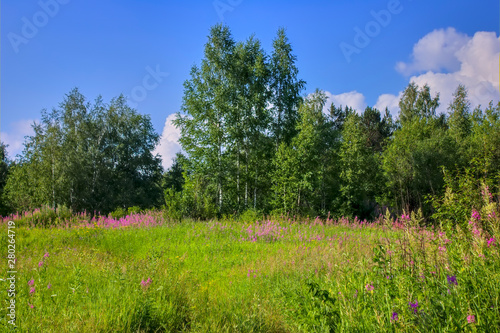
point(118, 213)
point(250, 215)
point(134, 210)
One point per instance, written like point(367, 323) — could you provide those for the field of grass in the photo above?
point(143, 273)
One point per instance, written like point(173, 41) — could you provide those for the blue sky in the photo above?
point(109, 47)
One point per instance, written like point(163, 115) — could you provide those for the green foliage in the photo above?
point(46, 217)
point(465, 191)
point(317, 310)
point(250, 216)
point(118, 213)
point(91, 157)
point(360, 169)
point(4, 172)
point(173, 177)
point(252, 142)
point(285, 90)
point(174, 205)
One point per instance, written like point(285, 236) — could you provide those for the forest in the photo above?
point(253, 142)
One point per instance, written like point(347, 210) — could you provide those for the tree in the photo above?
point(360, 175)
point(485, 139)
point(207, 104)
point(285, 90)
point(414, 158)
point(4, 171)
point(417, 103)
point(300, 179)
point(376, 129)
point(88, 157)
point(247, 125)
point(174, 177)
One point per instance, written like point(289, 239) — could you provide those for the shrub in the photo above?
point(118, 213)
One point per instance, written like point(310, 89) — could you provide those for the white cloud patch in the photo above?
point(437, 51)
point(353, 99)
point(14, 138)
point(169, 142)
point(451, 58)
point(390, 102)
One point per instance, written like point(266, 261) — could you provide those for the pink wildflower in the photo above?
point(46, 255)
point(369, 287)
point(32, 290)
point(31, 305)
point(146, 283)
point(491, 241)
point(31, 282)
point(49, 286)
point(40, 264)
point(471, 319)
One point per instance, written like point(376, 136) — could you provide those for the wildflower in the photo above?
point(414, 306)
point(31, 305)
point(442, 249)
point(394, 316)
point(452, 279)
point(369, 287)
point(32, 290)
point(146, 283)
point(471, 319)
point(476, 215)
point(46, 255)
point(49, 286)
point(40, 264)
point(491, 241)
point(31, 282)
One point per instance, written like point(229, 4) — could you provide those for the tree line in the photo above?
point(252, 141)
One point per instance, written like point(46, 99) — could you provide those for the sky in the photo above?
point(361, 53)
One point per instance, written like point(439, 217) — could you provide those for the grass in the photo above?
point(276, 275)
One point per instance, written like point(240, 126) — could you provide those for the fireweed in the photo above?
point(221, 274)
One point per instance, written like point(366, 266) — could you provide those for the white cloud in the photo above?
point(479, 72)
point(436, 51)
point(14, 138)
point(169, 142)
point(353, 99)
point(389, 101)
point(449, 59)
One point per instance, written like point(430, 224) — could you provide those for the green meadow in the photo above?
point(145, 273)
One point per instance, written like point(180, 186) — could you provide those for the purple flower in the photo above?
point(394, 316)
point(31, 305)
point(49, 286)
point(414, 306)
point(491, 241)
point(32, 290)
point(471, 319)
point(46, 255)
point(369, 287)
point(31, 282)
point(476, 215)
point(40, 264)
point(452, 279)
